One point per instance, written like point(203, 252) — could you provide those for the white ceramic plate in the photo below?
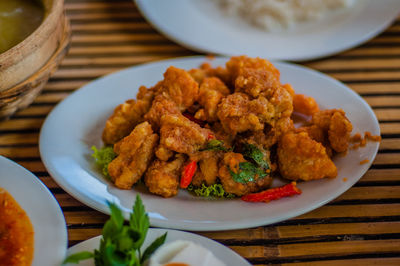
point(43, 210)
point(77, 123)
point(198, 25)
point(223, 253)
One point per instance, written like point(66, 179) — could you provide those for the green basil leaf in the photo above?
point(153, 247)
point(112, 257)
point(139, 221)
point(77, 257)
point(116, 216)
point(114, 225)
point(247, 173)
point(252, 152)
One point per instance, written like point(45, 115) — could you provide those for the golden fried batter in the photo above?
point(339, 132)
point(238, 113)
point(300, 157)
point(231, 162)
point(182, 135)
point(212, 90)
point(163, 153)
point(207, 71)
point(126, 116)
point(134, 154)
point(305, 105)
point(256, 82)
point(207, 171)
point(162, 105)
point(180, 86)
point(162, 178)
point(337, 126)
point(237, 64)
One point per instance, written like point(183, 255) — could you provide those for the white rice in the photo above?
point(276, 15)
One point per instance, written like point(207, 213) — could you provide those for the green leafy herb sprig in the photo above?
point(251, 152)
point(256, 166)
point(121, 244)
point(103, 158)
point(247, 173)
point(215, 190)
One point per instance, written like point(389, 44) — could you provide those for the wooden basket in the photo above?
point(24, 93)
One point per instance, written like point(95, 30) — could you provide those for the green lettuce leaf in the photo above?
point(103, 158)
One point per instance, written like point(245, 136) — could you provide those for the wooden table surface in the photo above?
point(361, 227)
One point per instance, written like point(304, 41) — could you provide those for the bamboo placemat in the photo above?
point(361, 227)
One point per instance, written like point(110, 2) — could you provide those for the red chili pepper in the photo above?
point(210, 136)
point(193, 119)
point(188, 173)
point(273, 193)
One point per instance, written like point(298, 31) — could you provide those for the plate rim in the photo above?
point(188, 225)
point(142, 5)
point(59, 215)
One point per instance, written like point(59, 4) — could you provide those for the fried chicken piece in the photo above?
point(180, 86)
point(181, 135)
point(207, 171)
point(231, 162)
point(238, 113)
point(162, 178)
point(134, 153)
point(314, 132)
point(256, 82)
point(197, 74)
point(339, 132)
point(289, 89)
point(300, 157)
point(211, 92)
point(319, 135)
point(322, 118)
point(283, 125)
point(237, 64)
point(207, 71)
point(283, 103)
point(162, 105)
point(270, 135)
point(220, 134)
point(126, 116)
point(163, 153)
point(305, 105)
point(337, 126)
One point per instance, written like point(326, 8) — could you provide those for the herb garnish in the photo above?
point(121, 244)
point(216, 145)
point(215, 190)
point(249, 170)
point(103, 158)
point(253, 153)
point(247, 173)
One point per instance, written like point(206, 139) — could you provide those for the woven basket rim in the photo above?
point(51, 65)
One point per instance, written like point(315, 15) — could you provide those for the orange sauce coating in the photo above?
point(16, 233)
point(364, 161)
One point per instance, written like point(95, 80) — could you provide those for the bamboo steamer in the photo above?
point(26, 67)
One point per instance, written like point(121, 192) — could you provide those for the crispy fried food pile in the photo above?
point(230, 125)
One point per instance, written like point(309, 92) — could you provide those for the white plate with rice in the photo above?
point(293, 30)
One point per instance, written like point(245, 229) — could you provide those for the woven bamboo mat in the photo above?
point(361, 227)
